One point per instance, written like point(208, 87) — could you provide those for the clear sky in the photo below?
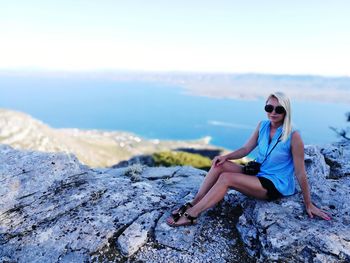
point(293, 37)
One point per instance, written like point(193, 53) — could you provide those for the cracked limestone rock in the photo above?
point(337, 156)
point(282, 231)
point(136, 235)
point(54, 209)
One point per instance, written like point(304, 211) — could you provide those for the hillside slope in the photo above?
point(92, 147)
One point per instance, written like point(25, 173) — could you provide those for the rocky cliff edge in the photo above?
point(54, 209)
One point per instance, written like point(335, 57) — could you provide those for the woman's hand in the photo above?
point(313, 210)
point(218, 160)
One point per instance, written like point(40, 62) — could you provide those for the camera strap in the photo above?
point(278, 140)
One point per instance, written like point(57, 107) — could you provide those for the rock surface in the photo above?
point(54, 209)
point(337, 156)
point(282, 231)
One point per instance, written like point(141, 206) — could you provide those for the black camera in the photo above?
point(251, 168)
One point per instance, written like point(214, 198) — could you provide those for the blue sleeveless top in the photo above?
point(279, 166)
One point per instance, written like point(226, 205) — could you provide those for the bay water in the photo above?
point(156, 110)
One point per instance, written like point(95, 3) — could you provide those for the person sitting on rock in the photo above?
point(280, 156)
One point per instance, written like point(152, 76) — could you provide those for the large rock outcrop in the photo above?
point(282, 231)
point(337, 156)
point(54, 209)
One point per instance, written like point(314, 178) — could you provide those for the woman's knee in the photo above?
point(231, 167)
point(227, 166)
point(226, 179)
point(216, 168)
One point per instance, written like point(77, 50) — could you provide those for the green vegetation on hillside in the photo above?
point(179, 158)
point(169, 158)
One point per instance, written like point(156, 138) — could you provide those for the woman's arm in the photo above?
point(299, 168)
point(241, 152)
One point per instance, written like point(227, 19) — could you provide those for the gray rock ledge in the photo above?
point(54, 209)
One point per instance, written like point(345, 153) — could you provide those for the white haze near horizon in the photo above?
point(299, 37)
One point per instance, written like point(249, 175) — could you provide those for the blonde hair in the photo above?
point(287, 122)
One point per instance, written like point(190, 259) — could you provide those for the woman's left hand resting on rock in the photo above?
point(313, 210)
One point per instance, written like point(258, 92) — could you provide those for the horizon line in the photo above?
point(149, 71)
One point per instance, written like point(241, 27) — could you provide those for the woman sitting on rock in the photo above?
point(280, 156)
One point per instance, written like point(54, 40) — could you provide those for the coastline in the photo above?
point(95, 148)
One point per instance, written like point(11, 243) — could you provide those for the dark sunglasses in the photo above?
point(278, 109)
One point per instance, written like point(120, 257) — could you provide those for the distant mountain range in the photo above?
point(251, 86)
point(227, 85)
point(92, 147)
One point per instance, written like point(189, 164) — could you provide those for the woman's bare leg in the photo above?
point(212, 176)
point(248, 185)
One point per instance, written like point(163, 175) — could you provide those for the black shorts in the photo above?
point(272, 192)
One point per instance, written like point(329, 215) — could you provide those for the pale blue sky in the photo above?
point(294, 37)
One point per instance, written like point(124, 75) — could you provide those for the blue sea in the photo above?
point(156, 110)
